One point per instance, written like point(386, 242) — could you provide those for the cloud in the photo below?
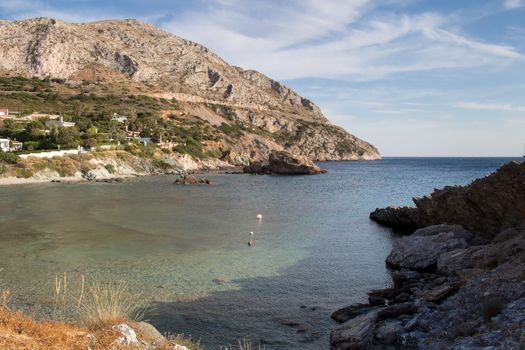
point(353, 41)
point(497, 107)
point(512, 4)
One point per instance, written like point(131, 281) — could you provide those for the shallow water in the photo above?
point(186, 247)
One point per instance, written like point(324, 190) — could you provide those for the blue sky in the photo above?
point(415, 78)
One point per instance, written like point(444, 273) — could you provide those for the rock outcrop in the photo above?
point(284, 163)
point(191, 180)
point(487, 206)
point(453, 288)
point(143, 60)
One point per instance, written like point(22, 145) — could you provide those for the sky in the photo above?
point(413, 77)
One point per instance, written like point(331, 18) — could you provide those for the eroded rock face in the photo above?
point(487, 206)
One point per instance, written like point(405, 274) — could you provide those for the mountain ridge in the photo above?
point(163, 65)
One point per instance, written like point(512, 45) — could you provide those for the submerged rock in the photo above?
point(191, 180)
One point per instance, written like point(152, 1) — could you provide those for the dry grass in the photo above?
point(97, 304)
point(22, 332)
point(98, 307)
point(246, 345)
point(109, 303)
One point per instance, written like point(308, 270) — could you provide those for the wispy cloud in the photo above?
point(351, 41)
point(497, 107)
point(512, 4)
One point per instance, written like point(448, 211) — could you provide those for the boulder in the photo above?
point(355, 334)
point(284, 163)
point(127, 334)
point(421, 250)
point(149, 332)
point(396, 310)
point(389, 332)
point(437, 294)
point(255, 167)
point(349, 312)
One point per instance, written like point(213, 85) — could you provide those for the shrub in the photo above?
point(110, 168)
point(8, 157)
point(24, 173)
point(31, 145)
point(161, 164)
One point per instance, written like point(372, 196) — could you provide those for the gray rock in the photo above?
point(487, 206)
point(346, 313)
point(421, 250)
point(389, 332)
point(128, 335)
point(355, 334)
point(438, 294)
point(149, 332)
point(191, 180)
point(397, 310)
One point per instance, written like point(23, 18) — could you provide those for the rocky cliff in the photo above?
point(453, 288)
point(487, 206)
point(134, 57)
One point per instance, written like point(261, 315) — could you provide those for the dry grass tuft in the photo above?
point(110, 303)
point(99, 307)
point(246, 345)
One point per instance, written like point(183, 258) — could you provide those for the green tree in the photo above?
point(68, 137)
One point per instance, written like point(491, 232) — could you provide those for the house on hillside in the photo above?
point(4, 112)
point(132, 135)
point(8, 145)
point(144, 141)
point(119, 118)
point(58, 123)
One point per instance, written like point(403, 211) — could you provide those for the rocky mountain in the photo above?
point(136, 58)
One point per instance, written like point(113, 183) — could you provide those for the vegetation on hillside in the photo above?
point(92, 114)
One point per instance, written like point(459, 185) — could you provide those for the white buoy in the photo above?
point(259, 216)
point(251, 233)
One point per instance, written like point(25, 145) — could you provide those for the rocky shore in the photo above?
point(458, 280)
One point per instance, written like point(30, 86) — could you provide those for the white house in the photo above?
point(59, 123)
point(7, 145)
point(4, 145)
point(119, 118)
point(4, 112)
point(144, 141)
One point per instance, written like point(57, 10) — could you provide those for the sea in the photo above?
point(184, 250)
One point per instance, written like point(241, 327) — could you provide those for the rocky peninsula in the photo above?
point(458, 280)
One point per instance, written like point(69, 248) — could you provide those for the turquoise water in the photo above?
point(186, 247)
